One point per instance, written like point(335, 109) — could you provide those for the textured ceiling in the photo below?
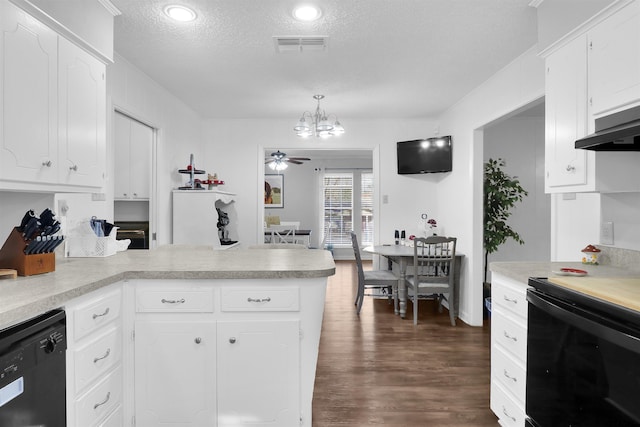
point(385, 58)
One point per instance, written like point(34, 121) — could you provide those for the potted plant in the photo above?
point(501, 193)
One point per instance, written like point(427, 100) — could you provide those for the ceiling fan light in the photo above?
point(305, 133)
point(280, 166)
point(324, 134)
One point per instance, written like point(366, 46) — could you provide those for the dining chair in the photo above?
point(282, 233)
point(434, 261)
point(383, 280)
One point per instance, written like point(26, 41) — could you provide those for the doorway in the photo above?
point(134, 168)
point(302, 197)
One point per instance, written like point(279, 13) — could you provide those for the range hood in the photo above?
point(616, 132)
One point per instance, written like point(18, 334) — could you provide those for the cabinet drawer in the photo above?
point(260, 299)
point(510, 374)
point(174, 300)
point(510, 295)
point(95, 358)
point(100, 400)
point(93, 315)
point(508, 411)
point(509, 333)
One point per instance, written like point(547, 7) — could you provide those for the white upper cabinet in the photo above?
point(566, 115)
point(28, 84)
point(82, 110)
point(133, 143)
point(52, 109)
point(614, 61)
point(591, 75)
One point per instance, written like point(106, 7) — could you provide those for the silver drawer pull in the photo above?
point(104, 313)
point(504, 411)
point(106, 399)
point(73, 168)
point(173, 301)
point(515, 301)
point(515, 339)
point(267, 299)
point(47, 163)
point(232, 340)
point(506, 374)
point(97, 359)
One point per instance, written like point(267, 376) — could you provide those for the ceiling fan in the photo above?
point(278, 160)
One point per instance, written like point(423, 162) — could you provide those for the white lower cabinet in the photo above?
point(175, 363)
point(94, 359)
point(508, 350)
point(258, 362)
point(219, 353)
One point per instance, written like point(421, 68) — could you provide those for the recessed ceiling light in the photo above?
point(180, 13)
point(306, 13)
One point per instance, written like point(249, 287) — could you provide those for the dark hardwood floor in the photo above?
point(377, 369)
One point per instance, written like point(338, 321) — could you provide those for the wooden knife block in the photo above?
point(12, 256)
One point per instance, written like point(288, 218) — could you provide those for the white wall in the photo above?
point(623, 209)
point(179, 132)
point(235, 148)
point(459, 196)
point(520, 142)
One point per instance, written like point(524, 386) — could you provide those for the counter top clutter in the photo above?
point(29, 296)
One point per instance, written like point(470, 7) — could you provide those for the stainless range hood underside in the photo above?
point(616, 132)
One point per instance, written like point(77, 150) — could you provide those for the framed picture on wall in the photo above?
point(274, 191)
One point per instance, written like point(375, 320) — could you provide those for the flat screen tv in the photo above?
point(428, 155)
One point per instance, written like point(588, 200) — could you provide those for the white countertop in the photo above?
point(521, 271)
point(25, 297)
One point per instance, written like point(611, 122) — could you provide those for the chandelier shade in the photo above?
point(318, 123)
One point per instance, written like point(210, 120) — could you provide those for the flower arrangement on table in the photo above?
point(432, 224)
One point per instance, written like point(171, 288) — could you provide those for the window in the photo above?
point(340, 205)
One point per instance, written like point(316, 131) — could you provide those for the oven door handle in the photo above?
point(588, 321)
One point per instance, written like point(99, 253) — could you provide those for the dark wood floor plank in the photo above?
point(379, 370)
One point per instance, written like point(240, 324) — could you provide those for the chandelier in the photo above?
point(318, 123)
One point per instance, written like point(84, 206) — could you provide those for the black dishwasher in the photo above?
point(32, 372)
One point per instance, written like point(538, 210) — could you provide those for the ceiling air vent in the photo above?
point(300, 44)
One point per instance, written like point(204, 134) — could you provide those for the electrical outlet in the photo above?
point(606, 233)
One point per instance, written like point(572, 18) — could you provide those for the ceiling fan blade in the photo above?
point(295, 162)
point(306, 159)
point(267, 161)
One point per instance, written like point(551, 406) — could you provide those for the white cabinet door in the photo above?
point(28, 84)
point(121, 156)
point(259, 363)
point(614, 61)
point(140, 160)
point(82, 121)
point(175, 364)
point(566, 116)
point(133, 148)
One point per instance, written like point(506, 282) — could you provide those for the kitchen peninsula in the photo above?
point(191, 335)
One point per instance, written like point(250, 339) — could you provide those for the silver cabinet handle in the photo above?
point(570, 168)
point(511, 417)
point(173, 301)
point(104, 313)
point(73, 168)
point(106, 399)
point(97, 359)
point(267, 299)
point(198, 340)
point(507, 299)
point(515, 339)
point(506, 374)
point(47, 163)
point(232, 340)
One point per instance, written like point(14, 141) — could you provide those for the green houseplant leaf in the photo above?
point(501, 193)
